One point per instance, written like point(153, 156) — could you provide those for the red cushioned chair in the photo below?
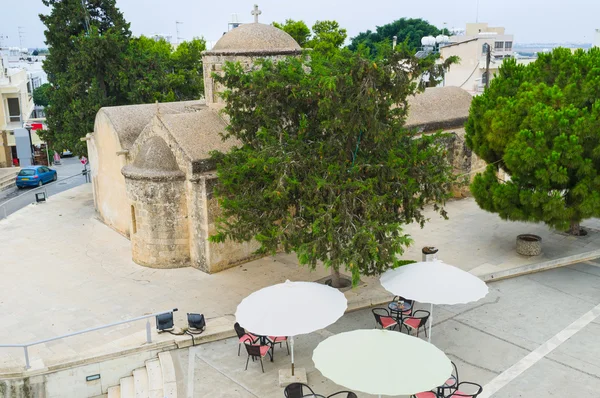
point(343, 394)
point(257, 352)
point(297, 390)
point(411, 302)
point(384, 319)
point(416, 321)
point(245, 338)
point(442, 391)
point(279, 340)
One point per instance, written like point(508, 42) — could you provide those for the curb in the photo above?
point(542, 266)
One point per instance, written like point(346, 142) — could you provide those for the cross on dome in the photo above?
point(256, 12)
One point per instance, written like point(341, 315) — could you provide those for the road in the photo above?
point(17, 199)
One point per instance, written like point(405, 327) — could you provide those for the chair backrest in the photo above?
point(239, 330)
point(422, 315)
point(378, 313)
point(343, 394)
point(467, 389)
point(296, 390)
point(400, 298)
point(253, 350)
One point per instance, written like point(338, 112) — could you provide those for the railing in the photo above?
point(44, 188)
point(148, 334)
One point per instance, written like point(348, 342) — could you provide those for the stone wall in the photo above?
point(108, 183)
point(159, 223)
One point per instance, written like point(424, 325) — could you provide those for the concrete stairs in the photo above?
point(157, 379)
point(7, 177)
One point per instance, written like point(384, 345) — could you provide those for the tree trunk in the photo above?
point(575, 228)
point(335, 278)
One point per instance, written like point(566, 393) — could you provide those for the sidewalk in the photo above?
point(63, 271)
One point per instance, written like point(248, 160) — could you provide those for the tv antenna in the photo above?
point(21, 37)
point(177, 23)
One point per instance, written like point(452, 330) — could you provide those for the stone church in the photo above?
point(151, 171)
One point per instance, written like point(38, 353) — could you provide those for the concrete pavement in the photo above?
point(496, 339)
point(63, 271)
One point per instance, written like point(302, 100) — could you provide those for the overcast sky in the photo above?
point(529, 20)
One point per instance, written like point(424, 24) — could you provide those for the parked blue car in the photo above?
point(35, 176)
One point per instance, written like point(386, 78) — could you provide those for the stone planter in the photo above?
point(529, 245)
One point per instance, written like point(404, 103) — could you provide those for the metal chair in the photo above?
point(257, 352)
point(384, 319)
point(411, 302)
point(243, 336)
point(279, 340)
point(343, 394)
point(451, 384)
point(466, 386)
point(296, 390)
point(416, 321)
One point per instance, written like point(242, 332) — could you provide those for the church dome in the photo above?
point(256, 38)
point(155, 161)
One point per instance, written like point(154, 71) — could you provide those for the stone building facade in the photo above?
point(150, 164)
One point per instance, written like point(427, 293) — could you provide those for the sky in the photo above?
point(529, 20)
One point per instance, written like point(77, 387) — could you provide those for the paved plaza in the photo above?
point(64, 271)
point(500, 342)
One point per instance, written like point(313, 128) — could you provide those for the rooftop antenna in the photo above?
point(177, 23)
point(477, 15)
point(21, 37)
point(2, 37)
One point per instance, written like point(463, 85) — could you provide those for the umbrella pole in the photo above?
point(292, 343)
point(430, 322)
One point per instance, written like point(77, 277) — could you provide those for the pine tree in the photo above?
point(540, 123)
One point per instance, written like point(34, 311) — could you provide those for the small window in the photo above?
point(499, 45)
point(508, 45)
point(133, 220)
point(14, 109)
point(27, 172)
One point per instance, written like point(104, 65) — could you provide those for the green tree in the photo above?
point(86, 40)
point(540, 123)
point(297, 29)
point(186, 80)
point(324, 167)
point(41, 95)
point(327, 36)
point(407, 30)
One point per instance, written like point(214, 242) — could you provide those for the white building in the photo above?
point(471, 48)
point(18, 78)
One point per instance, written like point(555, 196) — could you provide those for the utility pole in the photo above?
point(488, 59)
point(177, 23)
point(477, 15)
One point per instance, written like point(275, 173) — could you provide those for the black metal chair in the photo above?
point(384, 319)
point(257, 352)
point(451, 384)
point(466, 389)
point(416, 321)
point(296, 390)
point(273, 340)
point(343, 394)
point(243, 336)
point(411, 302)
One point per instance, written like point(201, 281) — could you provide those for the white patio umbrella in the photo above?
point(382, 362)
point(434, 282)
point(291, 309)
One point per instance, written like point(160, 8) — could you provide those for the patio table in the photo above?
point(398, 308)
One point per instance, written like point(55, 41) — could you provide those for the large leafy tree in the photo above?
point(86, 40)
point(407, 30)
point(324, 167)
point(540, 123)
point(297, 29)
point(325, 37)
point(41, 95)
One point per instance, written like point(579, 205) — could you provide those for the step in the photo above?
point(140, 383)
point(155, 379)
point(114, 392)
point(127, 387)
point(167, 368)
